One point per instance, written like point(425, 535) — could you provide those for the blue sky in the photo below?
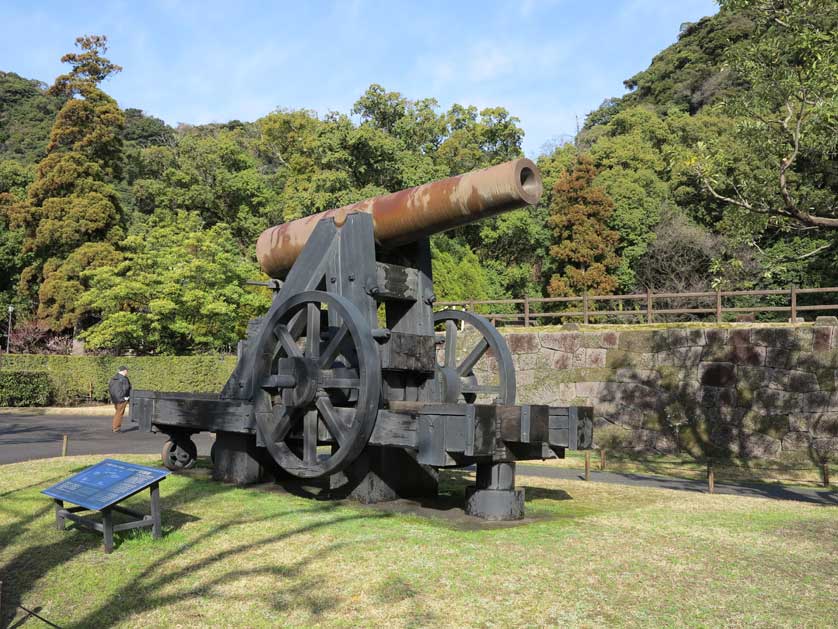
point(546, 61)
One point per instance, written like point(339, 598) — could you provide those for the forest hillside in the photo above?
point(716, 169)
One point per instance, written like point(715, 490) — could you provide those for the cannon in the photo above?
point(352, 383)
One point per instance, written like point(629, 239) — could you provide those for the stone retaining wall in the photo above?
point(745, 391)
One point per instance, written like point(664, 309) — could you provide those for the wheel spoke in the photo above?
point(450, 344)
point(313, 331)
point(287, 341)
point(296, 324)
point(468, 387)
point(310, 438)
point(333, 348)
point(471, 360)
point(333, 422)
point(283, 418)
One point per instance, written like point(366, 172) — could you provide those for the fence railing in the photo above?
point(641, 307)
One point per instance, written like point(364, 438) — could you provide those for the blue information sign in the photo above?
point(105, 483)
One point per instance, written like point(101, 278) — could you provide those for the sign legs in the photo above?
point(59, 519)
point(107, 529)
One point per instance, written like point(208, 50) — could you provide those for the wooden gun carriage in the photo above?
point(351, 377)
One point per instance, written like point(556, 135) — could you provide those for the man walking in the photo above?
point(120, 390)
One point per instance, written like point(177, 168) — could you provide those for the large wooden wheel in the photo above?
point(455, 372)
point(319, 384)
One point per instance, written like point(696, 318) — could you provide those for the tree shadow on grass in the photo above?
point(23, 570)
point(146, 591)
point(293, 587)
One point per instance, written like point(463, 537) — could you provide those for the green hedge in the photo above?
point(25, 388)
point(79, 379)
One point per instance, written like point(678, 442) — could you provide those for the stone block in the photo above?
point(716, 397)
point(815, 402)
point(715, 337)
point(642, 341)
point(523, 343)
point(803, 339)
point(562, 341)
point(591, 340)
point(595, 357)
point(760, 446)
point(763, 337)
point(579, 357)
point(777, 357)
point(740, 336)
point(523, 378)
point(794, 381)
point(747, 355)
point(822, 339)
point(825, 425)
point(689, 356)
point(799, 422)
point(795, 441)
point(648, 377)
point(524, 362)
point(610, 339)
point(618, 358)
point(826, 321)
point(786, 338)
point(772, 401)
point(679, 338)
point(717, 374)
point(560, 360)
point(589, 390)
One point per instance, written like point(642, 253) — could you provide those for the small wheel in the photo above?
point(320, 384)
point(180, 455)
point(456, 380)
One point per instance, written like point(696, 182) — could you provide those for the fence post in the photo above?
point(648, 305)
point(64, 445)
point(793, 303)
point(526, 311)
point(718, 305)
point(585, 307)
point(711, 478)
point(602, 459)
point(587, 465)
point(825, 471)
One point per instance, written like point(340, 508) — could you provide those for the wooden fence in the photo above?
point(641, 307)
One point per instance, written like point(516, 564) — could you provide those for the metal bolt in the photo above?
point(351, 278)
point(430, 299)
point(333, 280)
point(373, 290)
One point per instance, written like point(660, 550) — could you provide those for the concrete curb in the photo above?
point(85, 411)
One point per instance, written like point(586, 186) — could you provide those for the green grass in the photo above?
point(590, 555)
point(798, 471)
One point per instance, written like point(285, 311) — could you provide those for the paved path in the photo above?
point(755, 490)
point(24, 437)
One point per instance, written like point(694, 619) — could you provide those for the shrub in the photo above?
point(24, 388)
point(77, 379)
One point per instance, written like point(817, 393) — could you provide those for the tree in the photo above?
point(27, 112)
point(72, 202)
point(179, 289)
point(788, 115)
point(585, 246)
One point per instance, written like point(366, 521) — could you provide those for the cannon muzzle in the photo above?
point(408, 215)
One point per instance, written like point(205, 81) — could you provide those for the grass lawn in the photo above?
point(590, 555)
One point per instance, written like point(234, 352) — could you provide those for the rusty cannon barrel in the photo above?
point(408, 215)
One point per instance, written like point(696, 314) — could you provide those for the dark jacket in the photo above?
point(120, 388)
